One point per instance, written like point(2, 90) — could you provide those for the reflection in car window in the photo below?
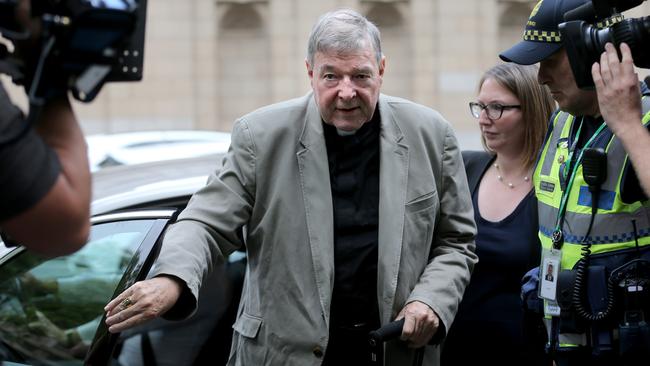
point(50, 309)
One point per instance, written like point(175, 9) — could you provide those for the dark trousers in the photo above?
point(348, 346)
point(581, 356)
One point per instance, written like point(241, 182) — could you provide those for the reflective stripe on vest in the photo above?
point(566, 339)
point(612, 229)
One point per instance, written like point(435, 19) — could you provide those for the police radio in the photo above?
point(633, 282)
point(594, 172)
point(627, 286)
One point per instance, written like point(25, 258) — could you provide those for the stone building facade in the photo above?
point(209, 61)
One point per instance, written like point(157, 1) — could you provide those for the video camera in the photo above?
point(84, 44)
point(585, 42)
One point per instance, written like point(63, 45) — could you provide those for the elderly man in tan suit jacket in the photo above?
point(274, 195)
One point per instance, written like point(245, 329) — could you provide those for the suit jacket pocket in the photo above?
point(419, 224)
point(422, 202)
point(248, 325)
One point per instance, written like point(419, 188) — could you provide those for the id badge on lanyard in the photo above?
point(549, 271)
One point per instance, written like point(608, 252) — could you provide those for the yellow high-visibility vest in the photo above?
point(612, 229)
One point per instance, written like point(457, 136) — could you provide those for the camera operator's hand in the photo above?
point(40, 70)
point(28, 28)
point(24, 18)
point(617, 85)
point(619, 100)
point(420, 324)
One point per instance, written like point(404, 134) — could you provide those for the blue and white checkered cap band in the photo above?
point(610, 21)
point(554, 36)
point(542, 36)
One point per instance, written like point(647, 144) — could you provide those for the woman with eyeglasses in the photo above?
point(512, 111)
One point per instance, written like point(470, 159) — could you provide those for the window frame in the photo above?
point(104, 343)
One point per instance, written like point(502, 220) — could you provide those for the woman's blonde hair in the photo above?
point(536, 102)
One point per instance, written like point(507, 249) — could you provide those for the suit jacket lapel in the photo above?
point(393, 179)
point(317, 197)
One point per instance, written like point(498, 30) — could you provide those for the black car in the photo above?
point(52, 310)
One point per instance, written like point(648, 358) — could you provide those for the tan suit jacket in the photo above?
point(273, 194)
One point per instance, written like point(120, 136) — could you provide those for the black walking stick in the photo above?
point(377, 338)
point(388, 332)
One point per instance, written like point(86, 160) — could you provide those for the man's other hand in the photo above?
point(420, 324)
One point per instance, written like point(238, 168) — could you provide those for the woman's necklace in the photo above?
point(508, 184)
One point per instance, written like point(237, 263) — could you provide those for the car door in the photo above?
point(51, 310)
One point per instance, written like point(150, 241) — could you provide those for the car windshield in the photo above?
point(50, 308)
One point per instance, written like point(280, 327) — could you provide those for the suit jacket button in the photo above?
point(318, 352)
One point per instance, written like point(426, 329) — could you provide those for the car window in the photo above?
point(50, 309)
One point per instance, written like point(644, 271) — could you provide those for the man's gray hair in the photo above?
point(343, 31)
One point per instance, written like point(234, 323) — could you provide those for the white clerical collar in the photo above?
point(345, 133)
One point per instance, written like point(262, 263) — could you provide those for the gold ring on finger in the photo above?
point(126, 303)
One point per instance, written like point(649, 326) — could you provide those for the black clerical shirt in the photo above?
point(354, 177)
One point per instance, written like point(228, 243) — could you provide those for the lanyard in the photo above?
point(569, 161)
point(571, 171)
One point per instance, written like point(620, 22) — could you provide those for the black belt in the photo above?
point(354, 327)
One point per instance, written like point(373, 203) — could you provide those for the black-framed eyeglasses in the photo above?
point(493, 110)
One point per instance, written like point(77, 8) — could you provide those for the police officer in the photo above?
point(595, 229)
